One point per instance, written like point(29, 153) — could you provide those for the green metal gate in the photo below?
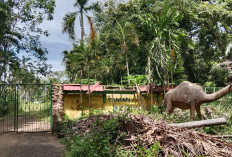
point(25, 107)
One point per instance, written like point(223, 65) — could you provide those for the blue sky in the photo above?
point(57, 42)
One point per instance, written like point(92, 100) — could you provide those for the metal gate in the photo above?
point(25, 108)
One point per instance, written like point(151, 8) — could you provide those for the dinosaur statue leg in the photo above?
point(170, 108)
point(198, 109)
point(192, 112)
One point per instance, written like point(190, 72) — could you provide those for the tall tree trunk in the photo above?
point(172, 77)
point(82, 35)
point(82, 42)
point(172, 57)
point(150, 80)
point(82, 26)
point(149, 70)
point(88, 87)
point(82, 107)
point(127, 64)
point(121, 76)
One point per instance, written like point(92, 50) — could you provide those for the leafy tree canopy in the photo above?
point(20, 32)
point(178, 40)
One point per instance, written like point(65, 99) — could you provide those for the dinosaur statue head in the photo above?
point(230, 83)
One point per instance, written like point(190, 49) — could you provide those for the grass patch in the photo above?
point(97, 142)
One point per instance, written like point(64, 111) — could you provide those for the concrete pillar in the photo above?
point(57, 106)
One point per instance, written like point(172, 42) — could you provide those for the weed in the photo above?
point(154, 150)
point(99, 141)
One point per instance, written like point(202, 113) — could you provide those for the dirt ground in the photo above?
point(30, 145)
point(25, 124)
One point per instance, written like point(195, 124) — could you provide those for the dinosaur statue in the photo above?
point(190, 96)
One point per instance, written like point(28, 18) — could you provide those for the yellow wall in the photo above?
point(73, 109)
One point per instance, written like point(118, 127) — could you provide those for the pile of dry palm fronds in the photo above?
point(143, 130)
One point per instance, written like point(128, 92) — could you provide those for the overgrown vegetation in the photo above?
point(162, 41)
point(134, 42)
point(22, 57)
point(111, 135)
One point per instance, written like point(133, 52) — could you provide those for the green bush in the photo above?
point(98, 142)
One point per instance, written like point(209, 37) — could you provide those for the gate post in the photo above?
point(57, 106)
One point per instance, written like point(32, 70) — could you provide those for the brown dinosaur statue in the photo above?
point(190, 96)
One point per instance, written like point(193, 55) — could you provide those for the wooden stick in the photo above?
point(202, 123)
point(223, 136)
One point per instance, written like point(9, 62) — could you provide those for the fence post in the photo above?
point(15, 108)
point(17, 105)
point(51, 109)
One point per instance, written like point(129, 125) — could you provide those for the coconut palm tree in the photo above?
point(70, 19)
point(124, 35)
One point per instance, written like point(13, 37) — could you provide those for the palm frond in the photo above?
point(12, 40)
point(228, 49)
point(80, 3)
point(93, 32)
point(69, 24)
point(15, 34)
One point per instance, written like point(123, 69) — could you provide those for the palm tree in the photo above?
point(124, 35)
point(164, 47)
point(71, 65)
point(70, 18)
point(8, 39)
point(25, 64)
point(79, 59)
point(74, 65)
point(85, 57)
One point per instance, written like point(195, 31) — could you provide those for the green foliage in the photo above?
point(98, 142)
point(185, 154)
point(55, 77)
point(178, 40)
point(221, 108)
point(19, 32)
point(85, 81)
point(80, 61)
point(209, 84)
point(136, 80)
point(7, 100)
point(152, 151)
point(69, 19)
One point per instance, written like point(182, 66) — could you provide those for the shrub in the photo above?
point(99, 141)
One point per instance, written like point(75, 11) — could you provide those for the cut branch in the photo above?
point(202, 123)
point(223, 136)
